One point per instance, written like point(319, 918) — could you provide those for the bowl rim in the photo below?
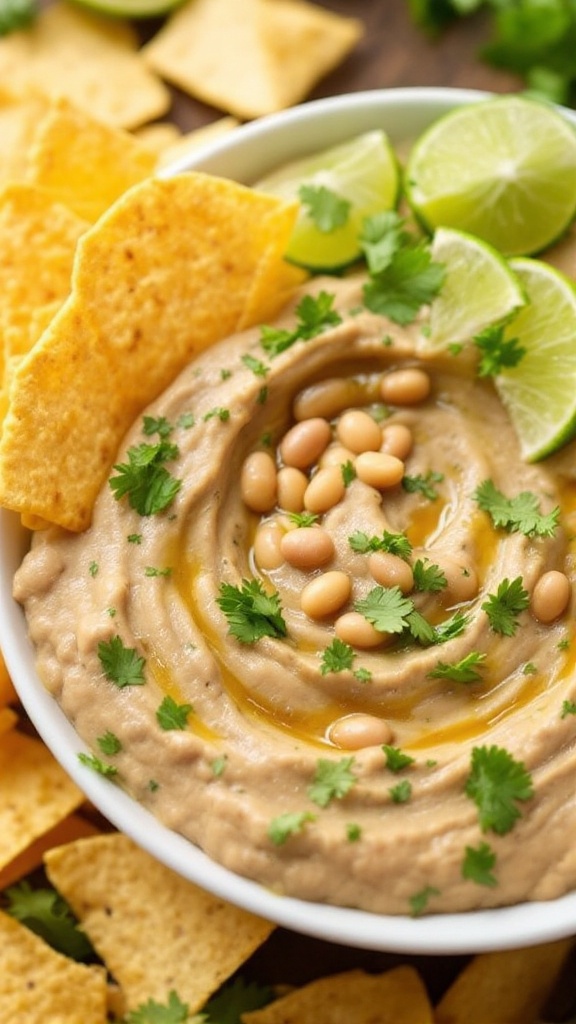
point(467, 932)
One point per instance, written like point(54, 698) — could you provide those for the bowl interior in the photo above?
point(246, 154)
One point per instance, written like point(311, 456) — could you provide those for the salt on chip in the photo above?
point(93, 60)
point(232, 56)
point(397, 996)
point(161, 276)
point(35, 794)
point(155, 931)
point(509, 986)
point(85, 163)
point(41, 986)
point(20, 113)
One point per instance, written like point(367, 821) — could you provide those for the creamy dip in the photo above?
point(263, 765)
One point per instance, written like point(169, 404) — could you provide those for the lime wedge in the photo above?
point(361, 175)
point(130, 8)
point(539, 392)
point(503, 169)
point(480, 289)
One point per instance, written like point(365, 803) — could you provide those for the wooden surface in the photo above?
point(392, 53)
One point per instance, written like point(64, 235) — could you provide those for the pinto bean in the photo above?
point(326, 398)
point(258, 482)
point(352, 732)
point(325, 594)
point(267, 546)
point(325, 489)
point(397, 440)
point(461, 578)
point(379, 469)
point(391, 571)
point(304, 443)
point(355, 630)
point(359, 431)
point(307, 547)
point(336, 455)
point(550, 596)
point(405, 387)
point(292, 484)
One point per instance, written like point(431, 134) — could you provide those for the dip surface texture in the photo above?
point(338, 761)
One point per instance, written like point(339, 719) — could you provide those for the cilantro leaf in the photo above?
point(410, 280)
point(393, 543)
point(519, 514)
point(172, 1012)
point(401, 792)
point(109, 743)
point(497, 352)
point(495, 783)
point(332, 780)
point(46, 914)
point(428, 576)
point(289, 824)
point(381, 237)
point(503, 607)
point(396, 759)
point(234, 999)
point(386, 608)
point(108, 771)
point(326, 208)
point(450, 628)
point(122, 665)
point(478, 863)
point(420, 900)
point(338, 657)
point(463, 671)
point(171, 715)
point(420, 629)
point(315, 314)
point(144, 480)
point(423, 484)
point(251, 612)
point(157, 425)
point(259, 369)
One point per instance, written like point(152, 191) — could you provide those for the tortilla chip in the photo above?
point(35, 794)
point(397, 996)
point(92, 60)
point(162, 275)
point(194, 140)
point(509, 986)
point(19, 117)
point(155, 931)
point(251, 57)
point(159, 136)
point(32, 222)
point(84, 163)
point(7, 691)
point(275, 281)
point(65, 831)
point(40, 986)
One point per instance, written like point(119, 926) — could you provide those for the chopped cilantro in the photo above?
point(428, 576)
point(151, 570)
point(520, 514)
point(289, 824)
point(153, 785)
point(234, 999)
point(262, 395)
point(382, 236)
point(172, 1012)
point(503, 607)
point(109, 743)
point(402, 792)
point(420, 900)
point(463, 671)
point(423, 484)
point(386, 608)
point(314, 315)
point(134, 538)
point(420, 629)
point(332, 780)
point(301, 519)
point(219, 412)
point(478, 863)
point(259, 369)
point(496, 783)
point(185, 420)
point(157, 425)
point(326, 208)
point(396, 759)
point(529, 669)
point(219, 764)
point(338, 657)
point(122, 665)
point(393, 543)
point(363, 675)
point(497, 352)
point(46, 914)
point(568, 708)
point(98, 766)
point(450, 628)
point(353, 832)
point(251, 612)
point(144, 480)
point(93, 568)
point(348, 472)
point(171, 715)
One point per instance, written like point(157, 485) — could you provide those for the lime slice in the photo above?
point(363, 173)
point(539, 392)
point(479, 290)
point(130, 8)
point(503, 169)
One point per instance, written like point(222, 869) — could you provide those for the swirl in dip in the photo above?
point(401, 737)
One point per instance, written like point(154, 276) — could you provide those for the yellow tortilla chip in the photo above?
point(161, 276)
point(84, 163)
point(35, 794)
point(194, 140)
point(275, 281)
point(40, 986)
point(158, 136)
point(7, 691)
point(397, 996)
point(65, 831)
point(155, 931)
point(19, 116)
point(92, 60)
point(509, 986)
point(251, 57)
point(38, 238)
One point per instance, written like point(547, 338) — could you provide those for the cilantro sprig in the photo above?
point(46, 914)
point(497, 352)
point(392, 543)
point(496, 783)
point(251, 612)
point(504, 607)
point(144, 479)
point(315, 314)
point(122, 665)
point(325, 208)
point(519, 514)
point(332, 780)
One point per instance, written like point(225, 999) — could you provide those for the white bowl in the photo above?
point(245, 155)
